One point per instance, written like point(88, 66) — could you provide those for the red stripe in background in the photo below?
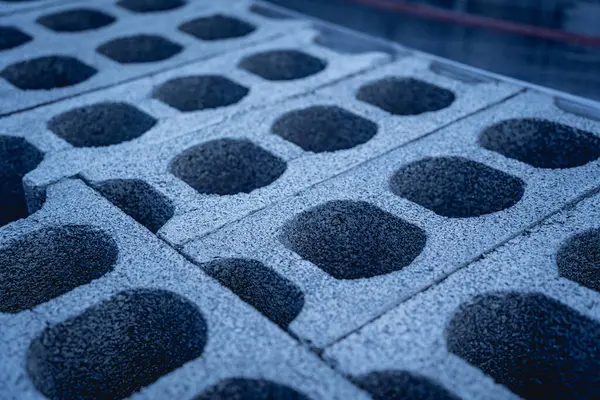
point(475, 21)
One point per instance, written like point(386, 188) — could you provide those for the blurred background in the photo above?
point(554, 43)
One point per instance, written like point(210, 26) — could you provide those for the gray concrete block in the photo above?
point(151, 152)
point(304, 167)
point(427, 334)
point(63, 267)
point(409, 95)
point(471, 200)
point(81, 68)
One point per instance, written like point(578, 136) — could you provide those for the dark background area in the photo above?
point(553, 43)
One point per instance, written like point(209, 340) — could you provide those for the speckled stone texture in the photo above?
point(94, 305)
point(222, 200)
point(76, 47)
point(508, 326)
point(446, 201)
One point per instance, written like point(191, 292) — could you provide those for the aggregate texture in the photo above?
point(441, 221)
point(222, 200)
point(508, 326)
point(108, 310)
point(77, 47)
point(120, 122)
point(292, 132)
point(124, 151)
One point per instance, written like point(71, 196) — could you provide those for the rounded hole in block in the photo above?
point(456, 187)
point(52, 261)
point(353, 239)
point(578, 259)
point(402, 385)
point(324, 129)
point(46, 73)
point(270, 293)
point(283, 65)
point(227, 167)
point(537, 347)
point(139, 49)
point(148, 6)
point(101, 124)
point(541, 143)
point(195, 93)
point(17, 158)
point(217, 27)
point(139, 200)
point(76, 20)
point(11, 37)
point(250, 389)
point(405, 96)
point(117, 347)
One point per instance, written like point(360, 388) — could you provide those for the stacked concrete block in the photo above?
point(317, 136)
point(113, 45)
point(322, 198)
point(523, 322)
point(364, 241)
point(127, 119)
point(330, 131)
point(93, 306)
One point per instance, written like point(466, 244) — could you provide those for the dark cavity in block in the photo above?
point(17, 158)
point(250, 389)
point(101, 124)
point(402, 385)
point(456, 187)
point(541, 143)
point(195, 93)
point(217, 27)
point(12, 37)
point(324, 129)
point(227, 167)
point(283, 65)
point(76, 20)
point(117, 347)
point(353, 239)
point(579, 259)
point(148, 6)
point(50, 262)
point(537, 347)
point(46, 73)
point(261, 287)
point(139, 49)
point(139, 200)
point(405, 96)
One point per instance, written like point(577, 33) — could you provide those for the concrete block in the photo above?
point(532, 303)
point(125, 143)
point(464, 198)
point(85, 288)
point(347, 132)
point(56, 65)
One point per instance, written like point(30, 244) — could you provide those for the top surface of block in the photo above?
point(121, 284)
point(523, 298)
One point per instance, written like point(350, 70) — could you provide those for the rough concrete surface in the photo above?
point(123, 115)
point(145, 157)
point(490, 199)
point(219, 200)
point(56, 64)
point(110, 310)
point(506, 326)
